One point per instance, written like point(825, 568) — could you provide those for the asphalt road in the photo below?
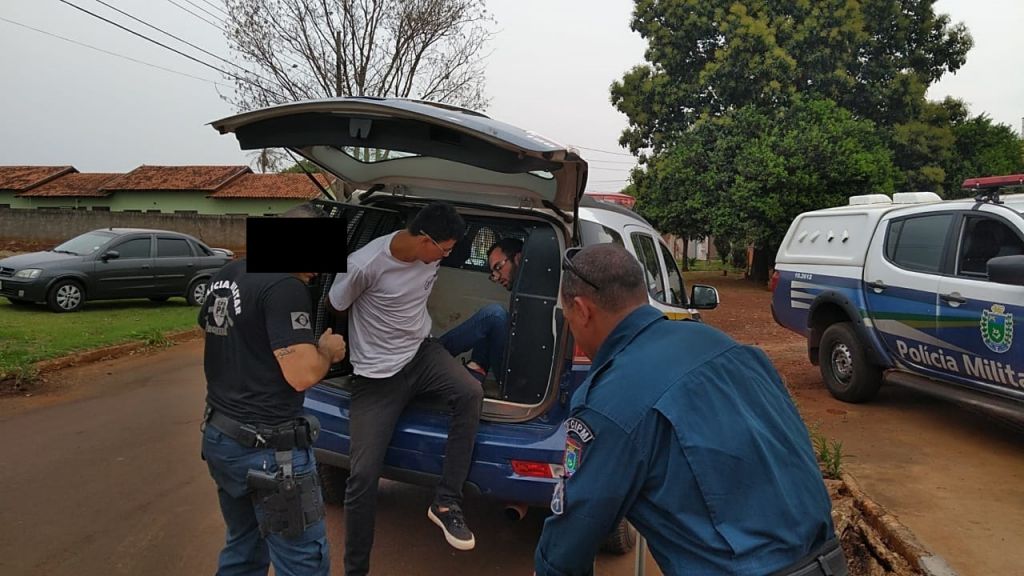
point(101, 475)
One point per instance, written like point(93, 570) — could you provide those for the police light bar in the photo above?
point(993, 182)
point(614, 198)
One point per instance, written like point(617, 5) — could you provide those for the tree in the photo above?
point(982, 148)
point(302, 167)
point(746, 174)
point(304, 49)
point(707, 57)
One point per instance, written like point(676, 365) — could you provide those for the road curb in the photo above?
point(894, 535)
point(105, 353)
point(110, 352)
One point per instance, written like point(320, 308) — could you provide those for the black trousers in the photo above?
point(376, 406)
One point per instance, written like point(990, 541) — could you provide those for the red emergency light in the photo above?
point(614, 198)
point(993, 182)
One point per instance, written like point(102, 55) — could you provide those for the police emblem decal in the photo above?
point(997, 328)
point(573, 453)
point(300, 321)
point(220, 310)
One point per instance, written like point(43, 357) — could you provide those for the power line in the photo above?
point(617, 162)
point(214, 6)
point(604, 151)
point(182, 40)
point(175, 50)
point(198, 7)
point(215, 83)
point(609, 169)
point(194, 14)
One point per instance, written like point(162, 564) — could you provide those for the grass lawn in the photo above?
point(30, 334)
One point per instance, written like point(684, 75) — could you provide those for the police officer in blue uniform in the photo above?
point(689, 435)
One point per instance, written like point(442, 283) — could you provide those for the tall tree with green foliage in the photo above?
point(982, 148)
point(875, 58)
point(746, 174)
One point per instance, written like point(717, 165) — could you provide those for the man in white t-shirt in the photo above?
point(394, 360)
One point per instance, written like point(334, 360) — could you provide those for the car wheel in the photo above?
point(196, 292)
point(621, 540)
point(66, 296)
point(332, 483)
point(844, 365)
point(158, 298)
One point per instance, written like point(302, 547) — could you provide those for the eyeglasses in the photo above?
point(443, 251)
point(568, 266)
point(497, 268)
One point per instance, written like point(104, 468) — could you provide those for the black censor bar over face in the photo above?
point(314, 245)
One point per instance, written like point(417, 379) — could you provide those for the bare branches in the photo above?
point(423, 49)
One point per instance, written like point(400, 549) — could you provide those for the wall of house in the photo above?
point(55, 226)
point(187, 201)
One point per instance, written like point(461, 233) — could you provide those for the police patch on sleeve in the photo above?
point(573, 452)
point(300, 321)
point(580, 429)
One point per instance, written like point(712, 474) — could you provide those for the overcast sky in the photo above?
point(549, 71)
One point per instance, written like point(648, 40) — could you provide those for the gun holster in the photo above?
point(290, 503)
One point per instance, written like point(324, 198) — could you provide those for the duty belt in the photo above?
point(825, 561)
point(300, 433)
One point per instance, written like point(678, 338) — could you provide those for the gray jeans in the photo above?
point(376, 406)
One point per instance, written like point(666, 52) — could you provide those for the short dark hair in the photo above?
point(509, 246)
point(438, 220)
point(614, 270)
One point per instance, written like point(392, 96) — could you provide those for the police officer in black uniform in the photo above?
point(261, 355)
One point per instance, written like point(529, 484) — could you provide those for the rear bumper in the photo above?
point(418, 445)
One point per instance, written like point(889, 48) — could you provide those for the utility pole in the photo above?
point(337, 63)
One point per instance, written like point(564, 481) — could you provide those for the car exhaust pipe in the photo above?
point(515, 511)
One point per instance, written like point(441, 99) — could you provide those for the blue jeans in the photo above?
point(245, 551)
point(485, 333)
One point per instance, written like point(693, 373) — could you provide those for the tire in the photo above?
point(196, 292)
point(20, 303)
point(844, 364)
point(66, 296)
point(158, 298)
point(621, 540)
point(332, 483)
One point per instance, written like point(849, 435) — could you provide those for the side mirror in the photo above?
point(1007, 270)
point(110, 255)
point(703, 297)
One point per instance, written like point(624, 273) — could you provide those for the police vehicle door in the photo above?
point(901, 281)
point(663, 286)
point(977, 318)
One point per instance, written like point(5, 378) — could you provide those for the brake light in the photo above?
point(579, 357)
point(533, 469)
point(774, 281)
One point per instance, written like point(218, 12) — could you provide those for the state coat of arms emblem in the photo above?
point(997, 328)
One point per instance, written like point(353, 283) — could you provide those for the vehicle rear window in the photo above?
point(172, 248)
point(917, 243)
point(594, 233)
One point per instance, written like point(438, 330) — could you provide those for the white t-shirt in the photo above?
point(387, 302)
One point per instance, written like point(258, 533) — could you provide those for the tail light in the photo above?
point(774, 281)
point(536, 469)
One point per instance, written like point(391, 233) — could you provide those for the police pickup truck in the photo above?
point(911, 290)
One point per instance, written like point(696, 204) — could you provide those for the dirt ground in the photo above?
point(12, 247)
